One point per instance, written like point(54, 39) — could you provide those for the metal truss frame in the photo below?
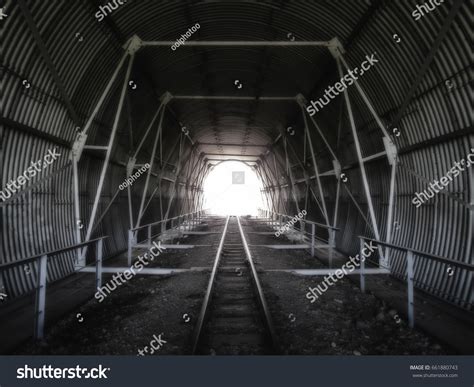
point(263, 167)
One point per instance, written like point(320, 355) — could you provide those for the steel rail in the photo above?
point(210, 286)
point(261, 296)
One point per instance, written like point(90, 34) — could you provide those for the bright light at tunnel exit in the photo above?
point(222, 197)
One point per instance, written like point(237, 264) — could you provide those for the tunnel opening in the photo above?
point(232, 188)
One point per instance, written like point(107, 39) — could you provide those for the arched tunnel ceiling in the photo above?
point(421, 86)
point(363, 27)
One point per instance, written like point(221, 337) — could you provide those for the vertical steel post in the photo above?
point(152, 159)
point(98, 265)
point(149, 236)
point(391, 201)
point(410, 279)
point(365, 181)
point(315, 167)
point(332, 238)
point(75, 179)
point(40, 307)
point(313, 234)
point(79, 146)
point(108, 154)
point(362, 267)
point(130, 245)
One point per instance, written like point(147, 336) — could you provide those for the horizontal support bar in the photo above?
point(233, 145)
point(171, 247)
point(144, 271)
point(50, 253)
point(284, 247)
point(200, 232)
point(230, 155)
point(422, 254)
point(232, 98)
point(375, 156)
point(96, 147)
point(261, 232)
point(327, 173)
point(319, 272)
point(237, 43)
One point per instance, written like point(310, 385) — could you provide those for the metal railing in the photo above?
point(189, 221)
point(410, 259)
point(210, 287)
point(278, 220)
point(41, 277)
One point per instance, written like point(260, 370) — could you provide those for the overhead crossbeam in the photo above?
point(239, 43)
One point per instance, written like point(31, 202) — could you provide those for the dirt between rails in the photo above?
point(343, 321)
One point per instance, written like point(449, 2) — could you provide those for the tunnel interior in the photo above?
point(355, 114)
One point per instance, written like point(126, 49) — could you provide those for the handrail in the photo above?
point(49, 253)
point(307, 221)
point(261, 296)
point(42, 277)
point(207, 297)
point(433, 257)
point(164, 220)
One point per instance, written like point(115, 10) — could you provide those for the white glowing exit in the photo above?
point(232, 188)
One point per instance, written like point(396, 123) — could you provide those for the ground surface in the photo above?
point(343, 321)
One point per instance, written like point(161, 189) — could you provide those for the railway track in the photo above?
point(234, 318)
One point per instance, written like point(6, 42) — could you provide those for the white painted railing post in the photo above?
point(362, 267)
point(98, 264)
point(40, 309)
point(149, 236)
point(410, 279)
point(130, 245)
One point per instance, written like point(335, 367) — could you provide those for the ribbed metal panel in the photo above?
point(435, 127)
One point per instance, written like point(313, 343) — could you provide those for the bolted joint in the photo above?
point(78, 146)
point(133, 44)
point(301, 100)
point(391, 150)
point(336, 48)
point(306, 175)
point(131, 165)
point(166, 97)
point(337, 169)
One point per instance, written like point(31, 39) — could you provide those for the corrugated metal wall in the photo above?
point(436, 127)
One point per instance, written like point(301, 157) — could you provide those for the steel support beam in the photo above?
point(240, 43)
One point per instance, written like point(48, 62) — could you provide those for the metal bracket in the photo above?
point(301, 100)
point(78, 146)
point(337, 169)
point(391, 150)
point(336, 48)
point(131, 165)
point(133, 44)
point(166, 97)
